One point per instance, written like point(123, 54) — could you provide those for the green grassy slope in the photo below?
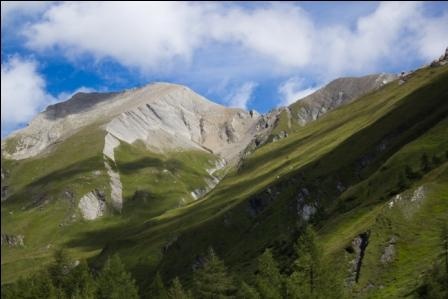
point(40, 209)
point(350, 161)
point(319, 156)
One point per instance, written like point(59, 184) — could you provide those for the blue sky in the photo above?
point(251, 55)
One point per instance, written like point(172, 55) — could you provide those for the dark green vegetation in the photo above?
point(371, 176)
point(66, 279)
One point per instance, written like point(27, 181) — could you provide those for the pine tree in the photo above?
point(307, 264)
point(248, 292)
point(295, 287)
point(60, 269)
point(39, 285)
point(269, 281)
point(82, 284)
point(176, 291)
point(157, 289)
point(114, 282)
point(212, 280)
point(331, 281)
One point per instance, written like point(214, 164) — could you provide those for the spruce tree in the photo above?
point(248, 292)
point(295, 287)
point(157, 289)
point(176, 291)
point(212, 280)
point(82, 284)
point(60, 269)
point(307, 265)
point(269, 281)
point(114, 282)
point(39, 285)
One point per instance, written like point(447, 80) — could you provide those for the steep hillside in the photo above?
point(372, 171)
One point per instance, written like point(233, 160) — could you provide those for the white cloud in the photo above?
point(241, 96)
point(433, 36)
point(381, 36)
point(10, 10)
point(146, 35)
point(293, 90)
point(23, 92)
point(161, 36)
point(279, 31)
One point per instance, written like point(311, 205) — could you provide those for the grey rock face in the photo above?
point(92, 205)
point(336, 93)
point(211, 182)
point(388, 255)
point(304, 210)
point(280, 136)
point(12, 240)
point(358, 248)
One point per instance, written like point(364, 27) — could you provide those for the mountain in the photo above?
point(159, 174)
point(163, 116)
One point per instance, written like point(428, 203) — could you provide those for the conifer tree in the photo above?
point(248, 292)
point(212, 280)
point(157, 289)
point(307, 265)
point(176, 291)
point(114, 282)
point(60, 269)
point(39, 285)
point(81, 282)
point(269, 281)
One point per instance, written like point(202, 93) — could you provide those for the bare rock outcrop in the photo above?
point(92, 205)
point(12, 240)
point(338, 92)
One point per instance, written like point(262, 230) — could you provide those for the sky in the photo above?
point(252, 55)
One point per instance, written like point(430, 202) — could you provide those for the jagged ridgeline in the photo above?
point(158, 175)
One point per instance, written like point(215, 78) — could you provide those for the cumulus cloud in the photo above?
point(432, 37)
point(241, 96)
point(294, 89)
point(157, 35)
point(279, 31)
point(146, 35)
point(23, 92)
point(11, 10)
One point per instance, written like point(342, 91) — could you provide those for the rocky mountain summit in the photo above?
point(163, 116)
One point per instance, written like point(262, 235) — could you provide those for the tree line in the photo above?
point(310, 278)
point(65, 278)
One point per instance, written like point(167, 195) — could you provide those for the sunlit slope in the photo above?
point(241, 216)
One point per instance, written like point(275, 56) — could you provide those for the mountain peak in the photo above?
point(164, 116)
